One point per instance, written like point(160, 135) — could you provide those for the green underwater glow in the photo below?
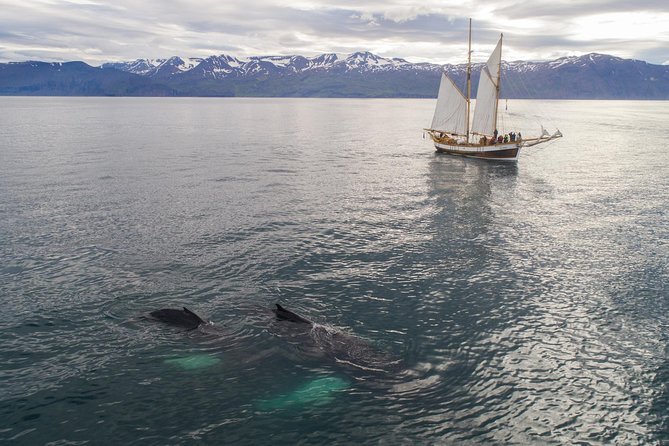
point(193, 362)
point(317, 392)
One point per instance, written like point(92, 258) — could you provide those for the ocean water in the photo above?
point(525, 303)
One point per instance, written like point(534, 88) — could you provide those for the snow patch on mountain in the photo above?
point(223, 65)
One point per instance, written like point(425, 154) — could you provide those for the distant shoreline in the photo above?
point(360, 75)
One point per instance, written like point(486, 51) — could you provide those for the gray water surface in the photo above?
point(527, 303)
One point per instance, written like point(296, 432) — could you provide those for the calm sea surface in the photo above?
point(527, 303)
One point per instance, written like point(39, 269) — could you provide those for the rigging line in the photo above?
point(525, 90)
point(537, 103)
point(522, 90)
point(519, 92)
point(503, 126)
point(512, 119)
point(518, 85)
point(505, 117)
point(508, 119)
point(509, 82)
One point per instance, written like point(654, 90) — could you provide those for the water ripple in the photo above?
point(527, 303)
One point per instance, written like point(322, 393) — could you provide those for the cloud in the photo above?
point(567, 9)
point(97, 31)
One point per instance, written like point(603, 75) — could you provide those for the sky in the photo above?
point(98, 31)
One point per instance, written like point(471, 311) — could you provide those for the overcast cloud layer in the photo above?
point(97, 31)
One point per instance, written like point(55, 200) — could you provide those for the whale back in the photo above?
point(181, 318)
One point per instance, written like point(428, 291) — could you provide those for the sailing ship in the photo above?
point(451, 129)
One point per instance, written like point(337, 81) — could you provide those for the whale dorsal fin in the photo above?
point(187, 311)
point(287, 315)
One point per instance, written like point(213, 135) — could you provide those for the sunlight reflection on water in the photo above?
point(528, 301)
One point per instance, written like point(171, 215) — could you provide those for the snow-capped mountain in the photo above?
point(361, 74)
point(156, 67)
point(224, 66)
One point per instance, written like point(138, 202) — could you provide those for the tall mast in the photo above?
point(499, 77)
point(469, 75)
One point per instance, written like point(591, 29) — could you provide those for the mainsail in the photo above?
point(451, 112)
point(485, 113)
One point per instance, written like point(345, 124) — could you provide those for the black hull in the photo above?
point(502, 155)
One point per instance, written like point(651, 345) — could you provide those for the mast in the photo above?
point(469, 76)
point(484, 121)
point(499, 77)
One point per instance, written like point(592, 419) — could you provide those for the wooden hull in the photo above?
point(497, 152)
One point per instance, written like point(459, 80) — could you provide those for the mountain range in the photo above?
point(361, 74)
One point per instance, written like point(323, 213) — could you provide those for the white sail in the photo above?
point(485, 113)
point(451, 112)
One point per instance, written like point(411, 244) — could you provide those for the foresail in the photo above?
point(486, 105)
point(494, 61)
point(451, 112)
point(485, 112)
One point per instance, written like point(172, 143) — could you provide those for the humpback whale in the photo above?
point(345, 349)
